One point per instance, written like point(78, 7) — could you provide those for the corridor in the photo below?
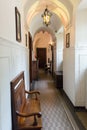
point(59, 28)
point(55, 115)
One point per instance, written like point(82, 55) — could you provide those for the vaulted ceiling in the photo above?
point(62, 11)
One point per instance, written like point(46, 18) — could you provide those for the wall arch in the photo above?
point(55, 6)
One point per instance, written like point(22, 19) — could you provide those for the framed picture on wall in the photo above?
point(67, 40)
point(18, 25)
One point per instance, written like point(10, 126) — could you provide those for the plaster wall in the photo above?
point(7, 19)
point(13, 57)
point(69, 73)
point(59, 51)
point(75, 63)
point(69, 62)
point(80, 76)
point(13, 60)
point(81, 29)
point(81, 58)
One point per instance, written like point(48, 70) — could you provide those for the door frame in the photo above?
point(30, 58)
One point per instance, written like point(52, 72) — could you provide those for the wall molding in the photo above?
point(6, 42)
point(80, 48)
point(14, 58)
point(80, 71)
point(76, 48)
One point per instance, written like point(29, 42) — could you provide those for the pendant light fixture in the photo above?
point(46, 16)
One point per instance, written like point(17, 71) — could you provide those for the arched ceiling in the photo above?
point(38, 19)
point(61, 10)
point(54, 6)
point(75, 2)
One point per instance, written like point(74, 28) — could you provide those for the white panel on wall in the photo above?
point(9, 68)
point(17, 60)
point(69, 73)
point(5, 113)
point(59, 66)
point(20, 63)
point(59, 51)
point(81, 67)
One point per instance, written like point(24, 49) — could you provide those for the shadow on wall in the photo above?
point(60, 68)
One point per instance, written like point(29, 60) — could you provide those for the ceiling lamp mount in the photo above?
point(46, 17)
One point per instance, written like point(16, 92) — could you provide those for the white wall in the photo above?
point(69, 62)
point(75, 60)
point(80, 76)
point(13, 60)
point(81, 28)
point(59, 51)
point(69, 73)
point(81, 57)
point(7, 19)
point(13, 57)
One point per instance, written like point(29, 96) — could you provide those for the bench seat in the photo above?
point(26, 111)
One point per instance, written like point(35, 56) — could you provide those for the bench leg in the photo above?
point(35, 121)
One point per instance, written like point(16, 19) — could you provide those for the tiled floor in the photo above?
point(55, 114)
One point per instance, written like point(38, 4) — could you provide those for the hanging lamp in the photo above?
point(46, 17)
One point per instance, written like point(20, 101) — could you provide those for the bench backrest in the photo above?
point(18, 97)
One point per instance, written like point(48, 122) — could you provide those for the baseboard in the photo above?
point(82, 109)
point(73, 109)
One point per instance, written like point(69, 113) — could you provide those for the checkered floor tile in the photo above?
point(53, 113)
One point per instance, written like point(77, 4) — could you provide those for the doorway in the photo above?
point(41, 55)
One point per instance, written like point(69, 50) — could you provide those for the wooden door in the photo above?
point(30, 57)
point(41, 55)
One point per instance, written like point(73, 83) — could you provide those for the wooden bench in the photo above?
point(26, 112)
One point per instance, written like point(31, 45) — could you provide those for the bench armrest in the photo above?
point(29, 115)
point(33, 92)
